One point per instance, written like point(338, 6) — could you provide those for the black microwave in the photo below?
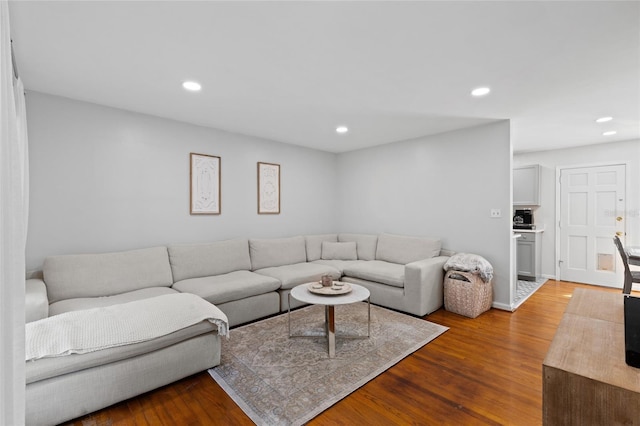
point(523, 219)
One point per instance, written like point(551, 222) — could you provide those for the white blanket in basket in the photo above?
point(473, 263)
point(95, 329)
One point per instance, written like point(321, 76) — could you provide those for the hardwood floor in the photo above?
point(483, 371)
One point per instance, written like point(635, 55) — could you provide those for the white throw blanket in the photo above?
point(95, 329)
point(473, 263)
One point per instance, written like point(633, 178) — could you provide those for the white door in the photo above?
point(592, 206)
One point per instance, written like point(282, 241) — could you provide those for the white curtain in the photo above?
point(14, 199)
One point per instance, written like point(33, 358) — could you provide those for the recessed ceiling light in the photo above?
point(604, 119)
point(609, 133)
point(342, 129)
point(192, 86)
point(480, 91)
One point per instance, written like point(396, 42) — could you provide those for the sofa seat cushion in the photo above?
point(102, 302)
point(228, 287)
point(46, 368)
point(299, 273)
point(377, 271)
point(338, 264)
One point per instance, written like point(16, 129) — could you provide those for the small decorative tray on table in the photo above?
point(336, 289)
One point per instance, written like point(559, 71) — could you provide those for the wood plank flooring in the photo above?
point(483, 371)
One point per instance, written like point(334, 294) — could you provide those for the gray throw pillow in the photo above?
point(339, 251)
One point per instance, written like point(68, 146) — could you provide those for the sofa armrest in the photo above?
point(36, 301)
point(423, 284)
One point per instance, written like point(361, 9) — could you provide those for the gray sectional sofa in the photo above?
point(245, 279)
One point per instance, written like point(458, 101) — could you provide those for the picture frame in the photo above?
point(204, 184)
point(268, 188)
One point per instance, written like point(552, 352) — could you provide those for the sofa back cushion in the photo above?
point(106, 274)
point(205, 260)
point(365, 244)
point(402, 249)
point(277, 252)
point(314, 245)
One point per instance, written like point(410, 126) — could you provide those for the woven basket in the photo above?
point(468, 298)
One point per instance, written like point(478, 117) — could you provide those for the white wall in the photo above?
point(618, 152)
point(104, 179)
point(440, 186)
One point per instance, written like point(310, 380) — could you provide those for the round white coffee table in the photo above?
point(357, 294)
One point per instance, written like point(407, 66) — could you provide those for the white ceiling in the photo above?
point(390, 71)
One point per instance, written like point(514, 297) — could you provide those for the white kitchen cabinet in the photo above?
point(526, 185)
point(529, 253)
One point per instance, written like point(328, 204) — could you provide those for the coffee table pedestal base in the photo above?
point(330, 326)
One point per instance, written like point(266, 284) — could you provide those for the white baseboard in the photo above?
point(502, 306)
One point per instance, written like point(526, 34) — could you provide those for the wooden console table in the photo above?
point(585, 380)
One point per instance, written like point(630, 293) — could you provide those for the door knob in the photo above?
point(619, 218)
point(619, 234)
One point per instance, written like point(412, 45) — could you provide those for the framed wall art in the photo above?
point(268, 188)
point(205, 184)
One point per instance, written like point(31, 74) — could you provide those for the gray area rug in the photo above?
point(278, 380)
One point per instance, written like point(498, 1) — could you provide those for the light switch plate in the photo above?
point(496, 213)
